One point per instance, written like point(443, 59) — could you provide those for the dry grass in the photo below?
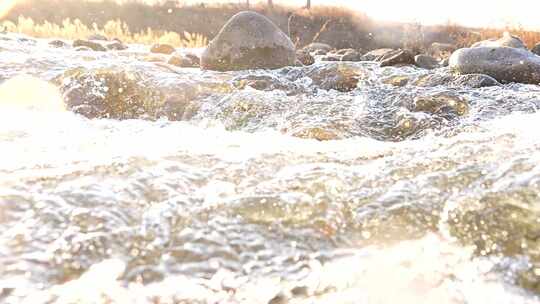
point(466, 37)
point(75, 29)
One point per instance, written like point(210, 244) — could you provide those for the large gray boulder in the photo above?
point(249, 41)
point(505, 64)
point(506, 40)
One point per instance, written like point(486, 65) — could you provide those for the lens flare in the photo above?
point(29, 93)
point(6, 6)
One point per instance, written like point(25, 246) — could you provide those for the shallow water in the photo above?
point(294, 194)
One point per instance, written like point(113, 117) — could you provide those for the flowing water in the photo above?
point(264, 186)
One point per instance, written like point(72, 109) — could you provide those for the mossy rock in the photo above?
point(106, 93)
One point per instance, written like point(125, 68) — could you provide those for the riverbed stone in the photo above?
point(505, 64)
point(426, 62)
point(249, 41)
point(506, 40)
point(475, 81)
point(95, 46)
point(398, 57)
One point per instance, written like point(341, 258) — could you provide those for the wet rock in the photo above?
point(249, 41)
point(104, 93)
point(475, 81)
point(58, 43)
point(426, 62)
point(318, 133)
point(98, 37)
point(116, 46)
point(304, 57)
point(176, 108)
point(335, 76)
point(319, 48)
point(398, 57)
point(375, 54)
point(352, 55)
point(536, 49)
point(506, 40)
point(162, 49)
point(505, 64)
point(444, 103)
point(433, 80)
point(266, 82)
point(441, 50)
point(397, 80)
point(89, 44)
point(183, 61)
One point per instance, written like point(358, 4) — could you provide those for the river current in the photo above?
point(273, 187)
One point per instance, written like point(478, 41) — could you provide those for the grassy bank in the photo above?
point(193, 26)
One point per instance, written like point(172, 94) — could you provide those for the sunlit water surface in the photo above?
point(240, 203)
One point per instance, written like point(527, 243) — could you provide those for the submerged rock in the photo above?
point(444, 103)
point(116, 46)
point(249, 41)
point(398, 57)
point(104, 93)
point(89, 44)
point(337, 76)
point(321, 48)
point(162, 49)
point(426, 62)
point(267, 82)
point(396, 80)
point(433, 80)
point(505, 64)
point(475, 81)
point(58, 43)
point(506, 40)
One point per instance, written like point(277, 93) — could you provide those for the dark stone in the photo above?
point(399, 57)
point(116, 46)
point(376, 54)
point(536, 49)
point(505, 64)
point(426, 62)
point(475, 81)
point(58, 43)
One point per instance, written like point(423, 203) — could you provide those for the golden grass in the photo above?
point(75, 29)
point(466, 37)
